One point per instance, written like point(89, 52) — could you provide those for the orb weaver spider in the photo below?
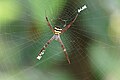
point(57, 31)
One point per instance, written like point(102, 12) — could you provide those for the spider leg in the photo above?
point(69, 25)
point(49, 24)
point(62, 21)
point(43, 49)
point(64, 49)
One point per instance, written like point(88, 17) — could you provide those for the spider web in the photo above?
point(22, 40)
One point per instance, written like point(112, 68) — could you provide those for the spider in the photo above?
point(57, 31)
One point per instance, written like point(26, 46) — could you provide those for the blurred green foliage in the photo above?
point(23, 32)
point(9, 11)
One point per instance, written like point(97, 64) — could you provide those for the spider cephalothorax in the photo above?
point(57, 31)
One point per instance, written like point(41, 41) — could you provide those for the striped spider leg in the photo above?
point(57, 32)
point(43, 49)
point(64, 49)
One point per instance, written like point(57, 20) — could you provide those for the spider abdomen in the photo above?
point(57, 30)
